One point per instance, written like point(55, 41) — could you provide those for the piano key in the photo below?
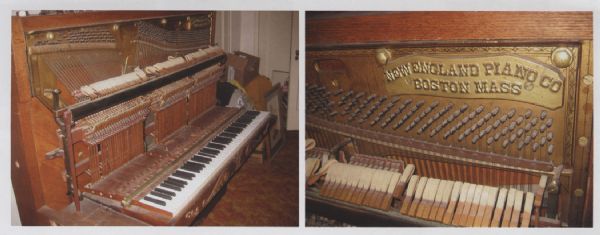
point(190, 168)
point(158, 194)
point(185, 188)
point(209, 151)
point(215, 146)
point(176, 181)
point(165, 192)
point(205, 155)
point(155, 201)
point(171, 186)
point(184, 175)
point(239, 125)
point(202, 159)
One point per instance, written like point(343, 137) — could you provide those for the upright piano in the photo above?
point(449, 118)
point(114, 119)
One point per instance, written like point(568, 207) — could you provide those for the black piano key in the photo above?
point(190, 168)
point(244, 120)
point(155, 201)
point(222, 140)
point(165, 192)
point(234, 130)
point(195, 167)
point(170, 186)
point(210, 151)
point(163, 196)
point(215, 146)
point(227, 135)
point(239, 125)
point(201, 159)
point(183, 175)
point(181, 182)
point(253, 112)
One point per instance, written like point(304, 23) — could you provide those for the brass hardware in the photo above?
point(317, 68)
point(188, 25)
point(552, 187)
point(163, 21)
point(578, 192)
point(335, 83)
point(115, 27)
point(588, 79)
point(583, 141)
point(17, 165)
point(562, 57)
point(383, 56)
point(49, 35)
point(455, 77)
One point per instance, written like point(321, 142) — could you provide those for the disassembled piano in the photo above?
point(115, 122)
point(449, 119)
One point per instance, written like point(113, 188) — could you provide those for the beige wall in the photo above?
point(270, 36)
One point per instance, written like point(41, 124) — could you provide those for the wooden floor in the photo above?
point(260, 194)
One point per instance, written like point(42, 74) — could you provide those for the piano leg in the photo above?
point(267, 155)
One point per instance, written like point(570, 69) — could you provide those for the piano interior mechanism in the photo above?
point(119, 109)
point(446, 125)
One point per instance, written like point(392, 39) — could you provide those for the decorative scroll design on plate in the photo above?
point(507, 77)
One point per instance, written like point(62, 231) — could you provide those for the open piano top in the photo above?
point(134, 99)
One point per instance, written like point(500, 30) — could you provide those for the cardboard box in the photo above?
point(242, 67)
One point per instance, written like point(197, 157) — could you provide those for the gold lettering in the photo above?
point(489, 67)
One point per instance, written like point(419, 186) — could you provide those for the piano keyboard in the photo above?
point(445, 201)
point(172, 195)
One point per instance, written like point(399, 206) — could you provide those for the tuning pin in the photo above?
point(528, 127)
point(479, 109)
point(420, 103)
point(543, 114)
point(490, 140)
point(464, 107)
point(512, 126)
point(464, 120)
point(503, 118)
point(497, 136)
point(549, 122)
point(520, 145)
point(528, 113)
point(467, 132)
point(549, 136)
point(534, 121)
point(535, 147)
point(513, 137)
point(487, 116)
point(495, 111)
point(542, 141)
point(550, 149)
point(496, 124)
point(472, 115)
point(480, 122)
point(519, 120)
point(504, 131)
point(461, 137)
point(542, 128)
point(527, 139)
point(505, 143)
point(520, 132)
point(488, 129)
point(534, 133)
point(511, 113)
point(475, 139)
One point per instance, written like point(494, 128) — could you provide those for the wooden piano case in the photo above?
point(55, 56)
point(492, 98)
